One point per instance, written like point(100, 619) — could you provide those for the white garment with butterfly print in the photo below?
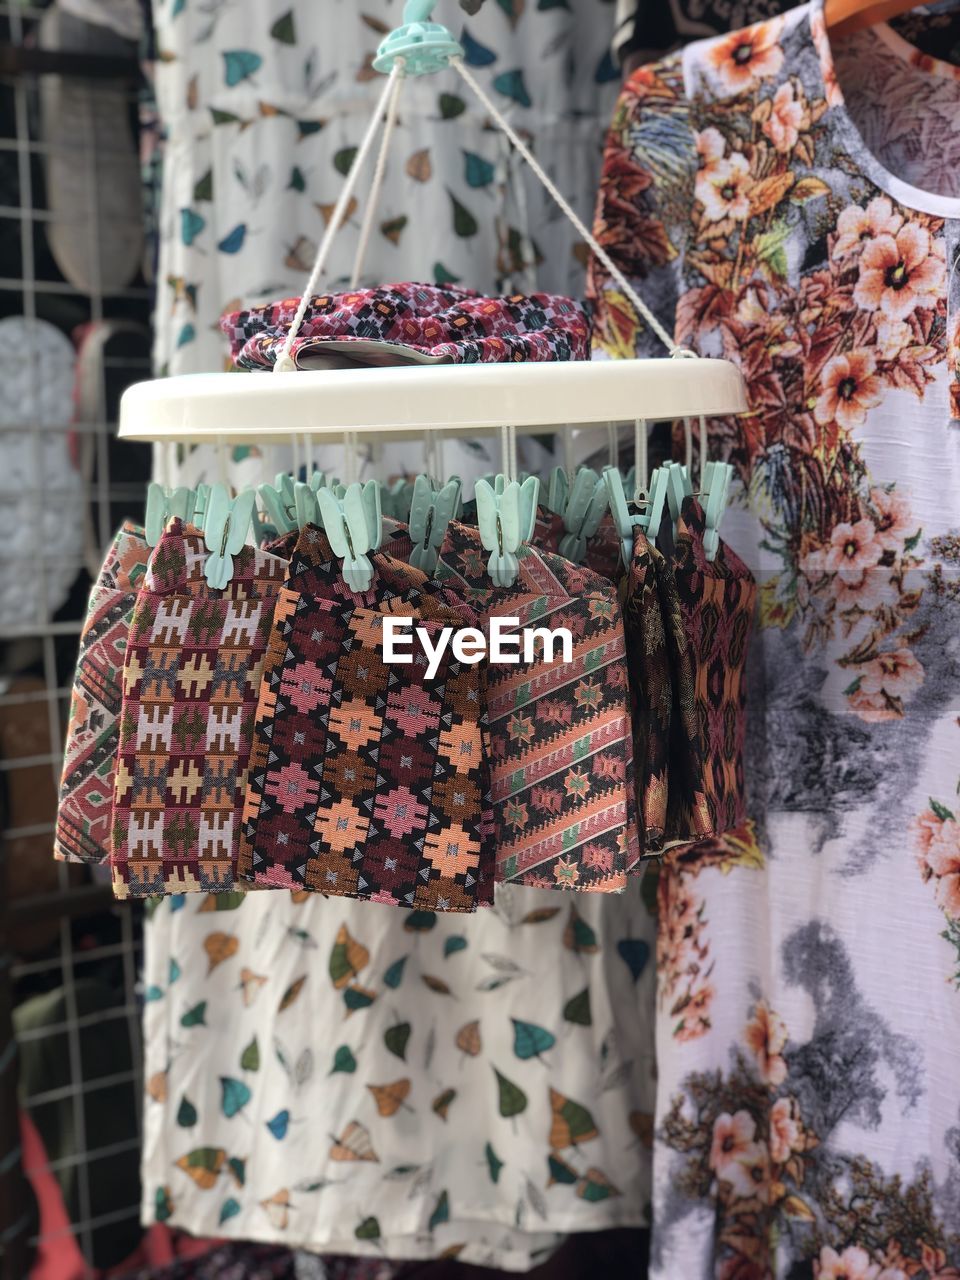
point(356, 1079)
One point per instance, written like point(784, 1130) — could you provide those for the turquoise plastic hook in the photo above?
point(678, 488)
point(656, 501)
point(625, 522)
point(162, 506)
point(717, 477)
point(228, 520)
point(585, 509)
point(506, 514)
point(430, 513)
point(201, 503)
point(354, 526)
point(280, 502)
point(424, 46)
point(558, 491)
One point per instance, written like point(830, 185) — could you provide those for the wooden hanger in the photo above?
point(844, 17)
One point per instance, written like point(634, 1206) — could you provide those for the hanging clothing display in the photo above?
point(359, 1079)
point(787, 200)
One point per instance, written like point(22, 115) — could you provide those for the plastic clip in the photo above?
point(717, 478)
point(201, 504)
point(305, 498)
point(586, 506)
point(558, 491)
point(656, 501)
point(423, 45)
point(625, 522)
point(354, 526)
point(431, 511)
point(280, 502)
point(506, 514)
point(228, 520)
point(163, 505)
point(678, 488)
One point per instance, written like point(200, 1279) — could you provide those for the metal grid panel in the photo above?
point(48, 635)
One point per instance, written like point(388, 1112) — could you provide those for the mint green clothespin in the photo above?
point(305, 498)
point(717, 477)
point(656, 501)
point(678, 488)
point(354, 526)
point(506, 514)
point(431, 511)
point(423, 45)
point(586, 506)
point(280, 502)
point(305, 503)
point(558, 491)
point(626, 522)
point(162, 506)
point(228, 520)
point(201, 505)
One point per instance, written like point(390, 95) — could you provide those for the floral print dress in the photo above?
point(791, 203)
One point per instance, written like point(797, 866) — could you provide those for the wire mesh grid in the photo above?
point(42, 639)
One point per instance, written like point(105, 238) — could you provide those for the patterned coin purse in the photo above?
point(562, 768)
point(368, 779)
point(191, 677)
point(83, 830)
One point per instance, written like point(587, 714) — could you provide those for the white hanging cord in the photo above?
point(512, 443)
point(222, 462)
point(565, 205)
point(441, 472)
point(505, 453)
point(350, 461)
point(305, 444)
point(613, 444)
point(295, 458)
point(704, 448)
point(688, 447)
point(641, 466)
point(373, 199)
point(568, 464)
point(284, 363)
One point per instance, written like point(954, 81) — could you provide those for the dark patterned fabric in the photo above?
point(547, 531)
point(367, 779)
point(716, 601)
point(651, 689)
point(230, 1260)
point(562, 767)
point(448, 324)
point(90, 754)
point(190, 682)
point(603, 551)
point(650, 27)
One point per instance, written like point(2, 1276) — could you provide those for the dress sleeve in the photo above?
point(643, 208)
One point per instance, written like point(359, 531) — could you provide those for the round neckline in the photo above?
point(917, 199)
